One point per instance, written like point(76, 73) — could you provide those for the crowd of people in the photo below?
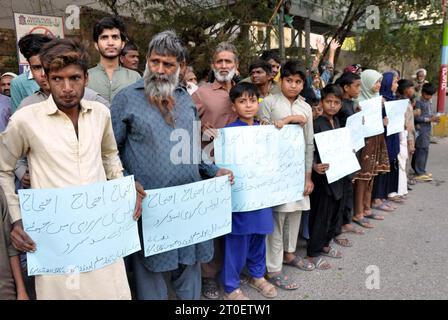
point(72, 126)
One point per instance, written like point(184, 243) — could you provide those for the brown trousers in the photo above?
point(362, 195)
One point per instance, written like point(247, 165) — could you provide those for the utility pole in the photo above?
point(444, 64)
point(281, 32)
point(308, 41)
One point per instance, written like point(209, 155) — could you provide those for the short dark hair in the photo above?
point(128, 47)
point(309, 95)
point(60, 53)
point(347, 78)
point(109, 23)
point(260, 64)
point(241, 88)
point(292, 68)
point(31, 44)
point(333, 89)
point(404, 84)
point(269, 54)
point(429, 89)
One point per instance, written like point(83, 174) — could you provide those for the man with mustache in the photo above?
point(261, 75)
point(129, 57)
point(108, 77)
point(215, 110)
point(70, 142)
point(145, 115)
point(31, 48)
point(5, 83)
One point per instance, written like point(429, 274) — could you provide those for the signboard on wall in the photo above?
point(32, 23)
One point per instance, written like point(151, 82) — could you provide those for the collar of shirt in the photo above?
point(30, 75)
point(51, 108)
point(99, 66)
point(299, 99)
point(40, 93)
point(242, 123)
point(328, 123)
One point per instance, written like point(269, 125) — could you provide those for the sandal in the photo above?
point(390, 204)
point(300, 263)
point(264, 287)
point(352, 230)
point(383, 207)
point(363, 223)
point(332, 253)
point(282, 282)
point(396, 199)
point(343, 242)
point(374, 216)
point(236, 294)
point(210, 288)
point(320, 263)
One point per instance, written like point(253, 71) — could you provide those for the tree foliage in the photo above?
point(200, 23)
point(413, 38)
point(407, 11)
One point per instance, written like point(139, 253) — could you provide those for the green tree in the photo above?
point(355, 12)
point(202, 24)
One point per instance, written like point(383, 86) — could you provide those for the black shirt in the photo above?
point(347, 110)
point(334, 189)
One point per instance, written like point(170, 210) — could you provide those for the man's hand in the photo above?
point(223, 172)
point(321, 168)
point(435, 119)
point(141, 194)
point(309, 185)
point(385, 121)
point(334, 45)
point(300, 119)
point(320, 46)
point(417, 112)
point(279, 124)
point(20, 239)
point(26, 182)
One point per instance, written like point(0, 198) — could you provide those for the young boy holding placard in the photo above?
point(246, 244)
point(12, 286)
point(281, 109)
point(326, 199)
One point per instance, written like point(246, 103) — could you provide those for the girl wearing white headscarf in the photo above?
point(373, 157)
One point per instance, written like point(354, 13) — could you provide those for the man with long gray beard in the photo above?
point(144, 117)
point(215, 111)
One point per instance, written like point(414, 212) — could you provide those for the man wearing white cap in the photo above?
point(5, 111)
point(420, 76)
point(5, 83)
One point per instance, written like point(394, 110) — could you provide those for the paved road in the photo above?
point(410, 249)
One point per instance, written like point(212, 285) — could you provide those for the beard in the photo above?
point(69, 101)
point(108, 55)
point(159, 91)
point(224, 78)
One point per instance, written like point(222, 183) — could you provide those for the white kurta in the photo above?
point(402, 158)
point(59, 158)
